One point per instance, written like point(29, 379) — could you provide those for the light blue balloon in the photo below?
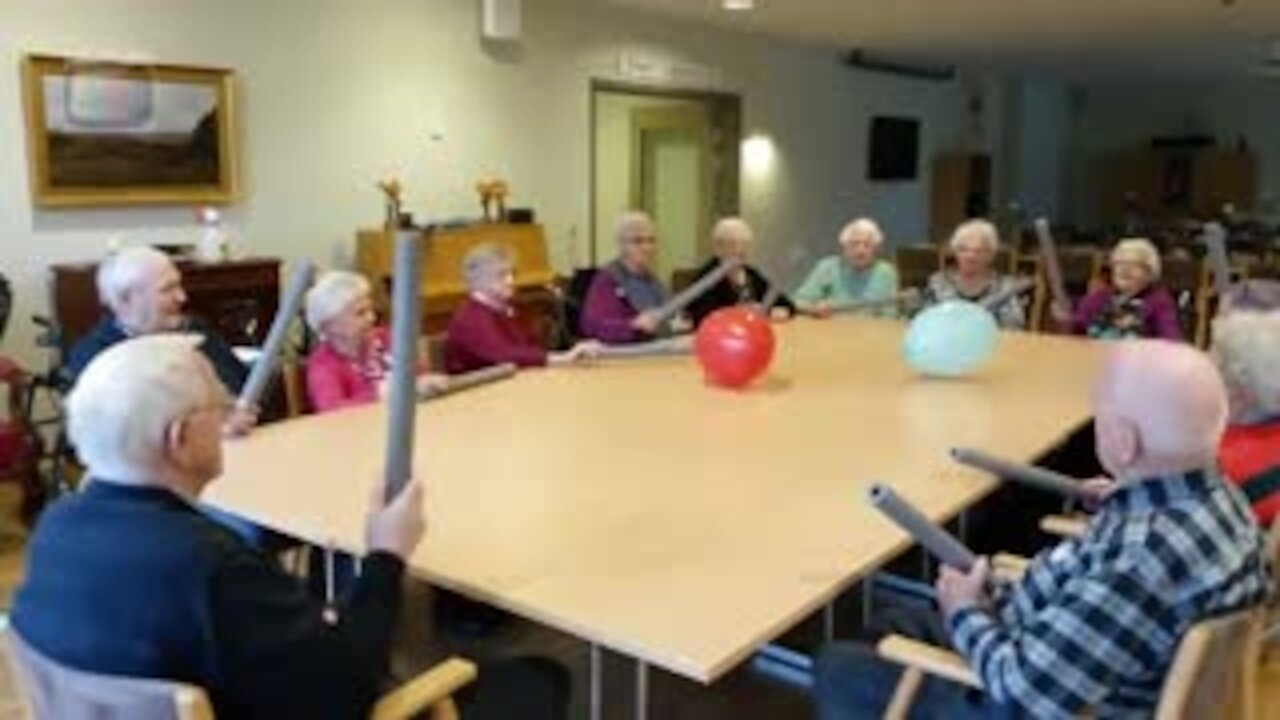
point(951, 339)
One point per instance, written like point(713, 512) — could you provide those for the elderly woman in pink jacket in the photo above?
point(350, 365)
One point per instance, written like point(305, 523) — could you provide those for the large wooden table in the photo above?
point(634, 507)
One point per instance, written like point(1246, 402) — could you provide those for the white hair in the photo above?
point(979, 229)
point(331, 295)
point(730, 229)
point(482, 260)
point(862, 226)
point(125, 271)
point(632, 222)
point(1139, 250)
point(121, 408)
point(1246, 347)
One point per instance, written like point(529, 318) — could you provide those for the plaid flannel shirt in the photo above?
point(1096, 621)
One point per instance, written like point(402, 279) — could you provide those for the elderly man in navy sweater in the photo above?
point(130, 578)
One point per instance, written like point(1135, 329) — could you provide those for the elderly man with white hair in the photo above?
point(484, 330)
point(732, 239)
point(1246, 347)
point(624, 297)
point(975, 278)
point(1135, 305)
point(142, 290)
point(855, 276)
point(129, 577)
point(1095, 622)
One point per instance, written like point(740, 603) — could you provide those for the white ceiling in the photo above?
point(1085, 39)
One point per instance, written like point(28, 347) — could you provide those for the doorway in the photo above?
point(673, 155)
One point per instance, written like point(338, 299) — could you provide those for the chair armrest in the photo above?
point(1009, 568)
point(430, 688)
point(933, 660)
point(1065, 526)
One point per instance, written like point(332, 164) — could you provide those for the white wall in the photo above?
point(336, 94)
point(1127, 117)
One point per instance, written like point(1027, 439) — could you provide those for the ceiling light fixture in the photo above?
point(738, 5)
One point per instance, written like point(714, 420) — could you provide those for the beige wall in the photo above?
point(338, 93)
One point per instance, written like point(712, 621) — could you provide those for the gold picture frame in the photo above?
point(105, 133)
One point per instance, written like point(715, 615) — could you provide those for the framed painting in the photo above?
point(102, 133)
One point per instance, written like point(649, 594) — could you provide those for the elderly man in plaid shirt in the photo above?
point(1096, 621)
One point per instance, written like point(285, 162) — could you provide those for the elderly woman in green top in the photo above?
point(856, 275)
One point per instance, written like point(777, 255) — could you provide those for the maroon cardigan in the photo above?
point(480, 335)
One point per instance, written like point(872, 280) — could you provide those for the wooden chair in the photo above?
point(50, 691)
point(916, 263)
point(1213, 673)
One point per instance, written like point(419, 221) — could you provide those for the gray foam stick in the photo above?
point(677, 304)
point(941, 543)
point(1031, 475)
point(402, 402)
point(466, 381)
point(1215, 239)
point(667, 347)
point(290, 303)
point(1052, 267)
point(910, 295)
point(1019, 286)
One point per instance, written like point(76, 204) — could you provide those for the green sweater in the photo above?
point(834, 282)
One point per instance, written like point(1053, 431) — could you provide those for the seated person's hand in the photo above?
point(779, 314)
point(958, 591)
point(681, 324)
point(1061, 312)
point(822, 309)
point(429, 382)
point(1097, 490)
point(398, 526)
point(646, 322)
point(585, 350)
point(240, 421)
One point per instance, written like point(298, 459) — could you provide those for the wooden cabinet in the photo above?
point(1172, 184)
point(443, 285)
point(961, 190)
point(238, 298)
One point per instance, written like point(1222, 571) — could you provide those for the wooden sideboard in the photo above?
point(443, 285)
point(237, 298)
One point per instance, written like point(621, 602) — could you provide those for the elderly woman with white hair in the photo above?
point(142, 291)
point(731, 239)
point(975, 278)
point(855, 276)
point(484, 330)
point(130, 577)
point(350, 365)
point(1135, 305)
point(623, 300)
point(1246, 347)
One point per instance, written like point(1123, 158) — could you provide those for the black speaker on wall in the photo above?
point(894, 149)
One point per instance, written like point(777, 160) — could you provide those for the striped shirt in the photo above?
point(1095, 622)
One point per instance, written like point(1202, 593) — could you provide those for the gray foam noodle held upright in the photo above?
point(290, 304)
point(1215, 240)
point(402, 402)
point(942, 544)
point(1052, 267)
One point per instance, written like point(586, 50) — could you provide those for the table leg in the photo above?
point(868, 596)
point(597, 683)
point(642, 690)
point(962, 526)
point(829, 622)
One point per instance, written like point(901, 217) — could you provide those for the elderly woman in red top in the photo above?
point(350, 365)
point(484, 330)
point(1246, 346)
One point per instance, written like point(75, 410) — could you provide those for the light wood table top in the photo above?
point(634, 507)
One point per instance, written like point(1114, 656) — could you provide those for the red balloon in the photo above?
point(734, 345)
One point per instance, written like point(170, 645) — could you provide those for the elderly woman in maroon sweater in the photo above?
point(1134, 306)
point(622, 302)
point(484, 330)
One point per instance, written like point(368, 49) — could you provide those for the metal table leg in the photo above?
point(597, 683)
point(642, 690)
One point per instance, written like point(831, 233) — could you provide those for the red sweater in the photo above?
point(479, 336)
point(1250, 457)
